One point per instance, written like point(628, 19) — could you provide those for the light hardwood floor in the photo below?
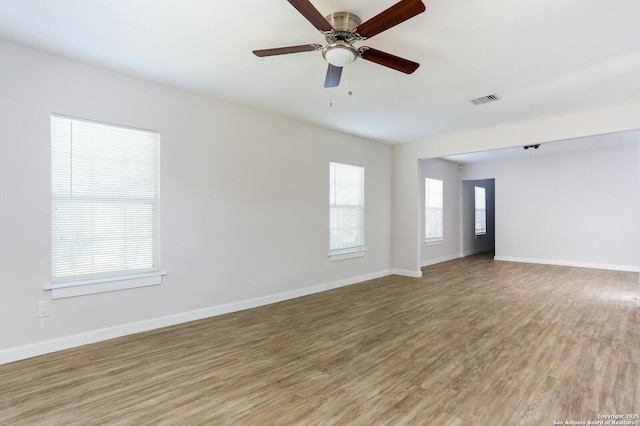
point(473, 342)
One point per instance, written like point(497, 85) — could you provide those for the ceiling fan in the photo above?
point(342, 29)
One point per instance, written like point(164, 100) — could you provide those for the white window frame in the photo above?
point(127, 180)
point(480, 211)
point(431, 208)
point(340, 190)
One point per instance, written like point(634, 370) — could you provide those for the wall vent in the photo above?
point(485, 99)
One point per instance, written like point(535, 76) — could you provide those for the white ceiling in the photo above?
point(567, 146)
point(539, 56)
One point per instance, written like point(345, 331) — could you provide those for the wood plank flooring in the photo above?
point(473, 342)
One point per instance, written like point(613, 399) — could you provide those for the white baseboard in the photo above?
point(624, 268)
point(439, 260)
point(41, 348)
point(407, 273)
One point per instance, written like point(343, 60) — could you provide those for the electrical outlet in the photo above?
point(44, 309)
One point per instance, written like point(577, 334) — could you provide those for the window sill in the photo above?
point(433, 242)
point(103, 285)
point(346, 254)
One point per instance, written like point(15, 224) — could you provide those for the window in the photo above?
point(346, 211)
point(481, 211)
point(104, 192)
point(433, 229)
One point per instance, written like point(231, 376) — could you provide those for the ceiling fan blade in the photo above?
point(311, 13)
point(388, 60)
point(333, 76)
point(399, 12)
point(287, 50)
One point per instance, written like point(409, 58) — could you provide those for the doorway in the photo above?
point(478, 218)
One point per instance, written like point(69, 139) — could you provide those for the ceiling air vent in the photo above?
point(485, 99)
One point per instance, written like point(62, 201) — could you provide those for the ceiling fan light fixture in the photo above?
point(339, 53)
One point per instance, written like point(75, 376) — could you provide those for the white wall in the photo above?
point(449, 173)
point(578, 209)
point(405, 241)
point(244, 204)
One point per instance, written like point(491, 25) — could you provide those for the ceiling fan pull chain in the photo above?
point(350, 92)
point(331, 96)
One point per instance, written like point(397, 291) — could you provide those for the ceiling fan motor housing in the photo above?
point(343, 24)
point(340, 50)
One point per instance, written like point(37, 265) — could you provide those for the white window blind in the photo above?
point(104, 191)
point(346, 200)
point(433, 197)
point(480, 210)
